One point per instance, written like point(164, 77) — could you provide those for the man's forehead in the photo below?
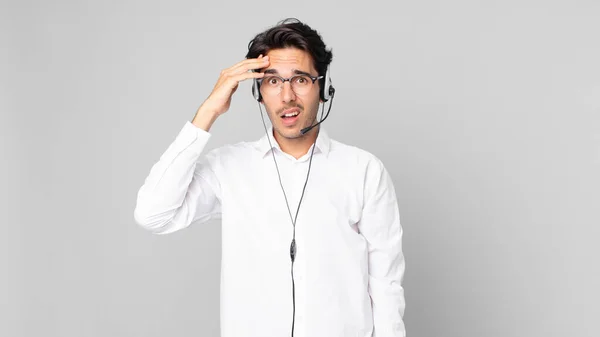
point(286, 58)
point(300, 60)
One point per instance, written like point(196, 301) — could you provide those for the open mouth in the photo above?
point(290, 116)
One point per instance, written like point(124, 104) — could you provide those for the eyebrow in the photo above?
point(296, 71)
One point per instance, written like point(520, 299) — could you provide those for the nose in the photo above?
point(287, 94)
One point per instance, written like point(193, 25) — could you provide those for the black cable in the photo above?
point(293, 244)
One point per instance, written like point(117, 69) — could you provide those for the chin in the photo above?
point(290, 133)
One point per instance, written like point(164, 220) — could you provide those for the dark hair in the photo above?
point(292, 33)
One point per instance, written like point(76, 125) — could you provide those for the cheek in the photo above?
point(271, 108)
point(310, 101)
point(269, 104)
point(315, 103)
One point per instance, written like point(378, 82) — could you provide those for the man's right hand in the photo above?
point(219, 100)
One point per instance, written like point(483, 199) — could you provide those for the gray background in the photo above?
point(486, 113)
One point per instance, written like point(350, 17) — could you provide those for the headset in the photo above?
point(326, 93)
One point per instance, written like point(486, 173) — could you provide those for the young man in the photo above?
point(311, 235)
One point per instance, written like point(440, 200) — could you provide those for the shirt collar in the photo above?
point(323, 142)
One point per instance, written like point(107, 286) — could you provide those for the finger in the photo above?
point(241, 63)
point(248, 64)
point(247, 75)
point(238, 76)
point(234, 80)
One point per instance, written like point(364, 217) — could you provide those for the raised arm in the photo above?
point(182, 186)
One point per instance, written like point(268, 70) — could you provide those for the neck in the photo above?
point(297, 147)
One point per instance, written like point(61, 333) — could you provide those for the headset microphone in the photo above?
point(305, 130)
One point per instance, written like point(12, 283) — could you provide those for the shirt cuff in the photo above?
point(192, 138)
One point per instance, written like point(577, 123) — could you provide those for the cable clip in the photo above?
point(293, 250)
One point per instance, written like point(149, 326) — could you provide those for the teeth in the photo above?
point(291, 115)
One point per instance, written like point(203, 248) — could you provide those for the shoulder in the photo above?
point(352, 155)
point(365, 168)
point(233, 153)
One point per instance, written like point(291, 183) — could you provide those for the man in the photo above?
point(331, 268)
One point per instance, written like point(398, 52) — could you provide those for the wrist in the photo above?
point(204, 118)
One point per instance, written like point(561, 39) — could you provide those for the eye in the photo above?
point(302, 80)
point(272, 80)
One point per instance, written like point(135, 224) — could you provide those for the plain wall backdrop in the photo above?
point(486, 114)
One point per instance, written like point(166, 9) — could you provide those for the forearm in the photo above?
point(204, 118)
point(171, 188)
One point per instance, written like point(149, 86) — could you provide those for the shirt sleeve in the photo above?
point(181, 187)
point(380, 225)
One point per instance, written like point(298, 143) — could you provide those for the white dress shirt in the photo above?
point(349, 265)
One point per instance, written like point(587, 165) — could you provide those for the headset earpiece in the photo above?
point(327, 90)
point(256, 90)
